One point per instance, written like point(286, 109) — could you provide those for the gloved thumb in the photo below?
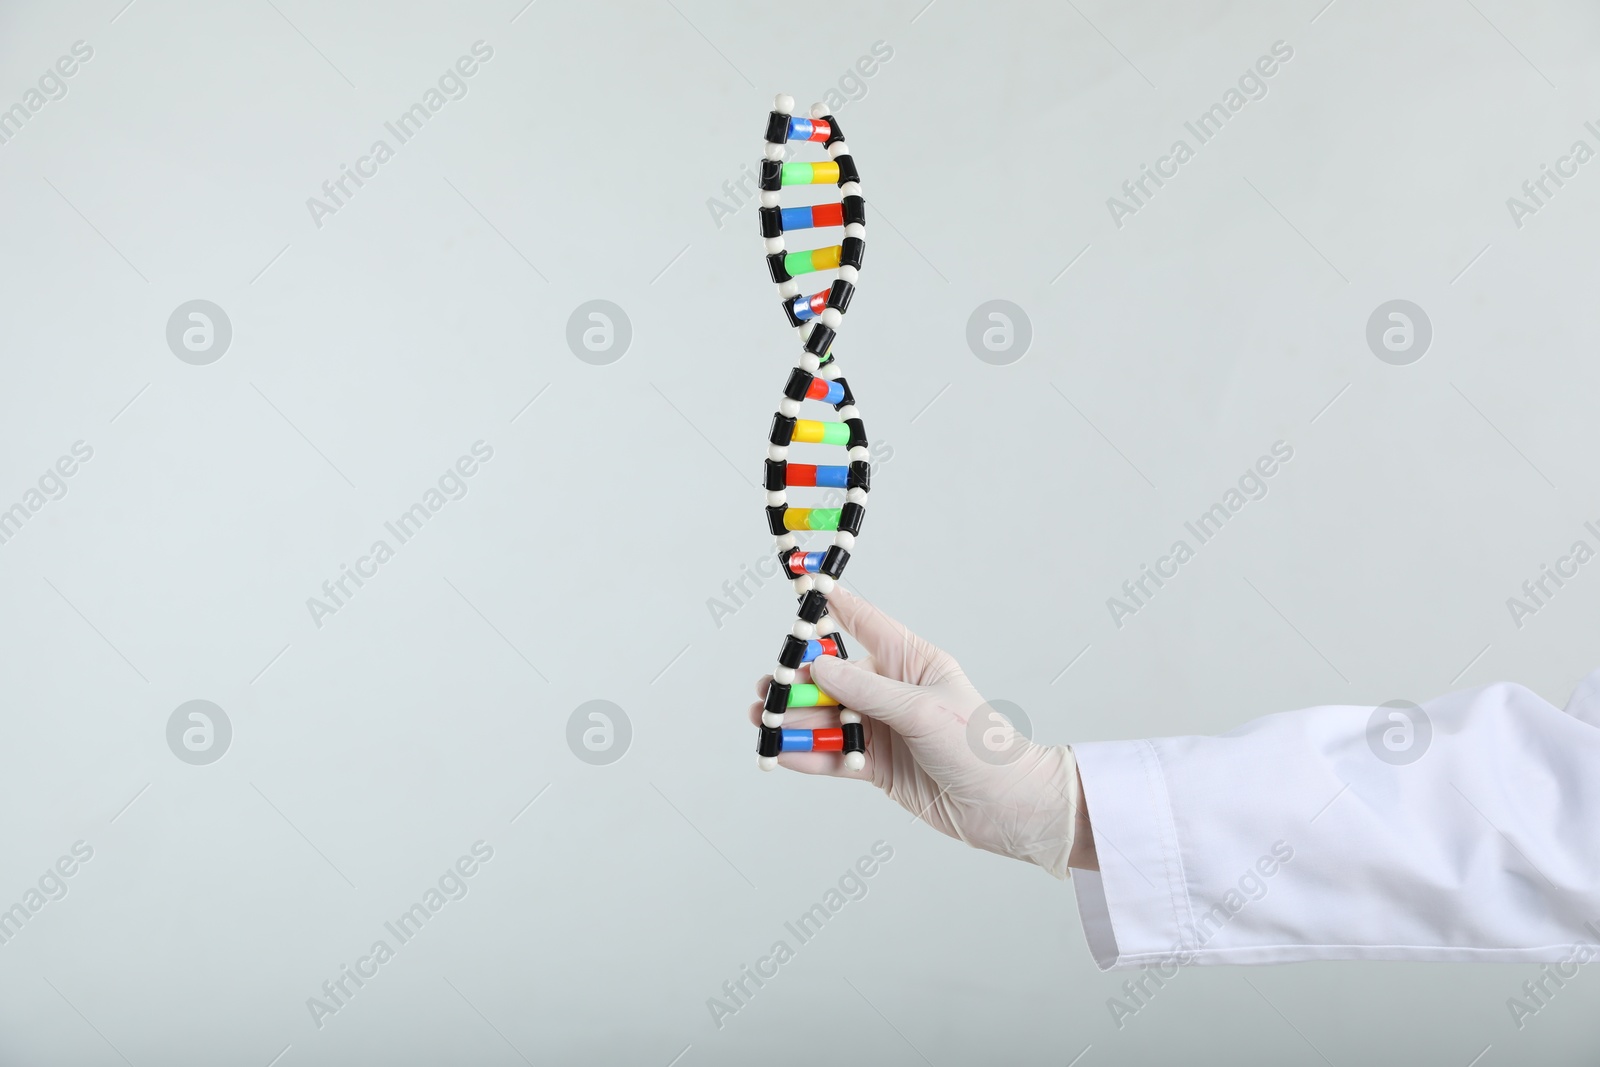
point(909, 709)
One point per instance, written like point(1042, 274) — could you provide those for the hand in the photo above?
point(915, 704)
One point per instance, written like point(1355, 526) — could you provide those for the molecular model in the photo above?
point(816, 318)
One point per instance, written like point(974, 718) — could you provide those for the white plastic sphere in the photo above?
point(783, 104)
point(767, 763)
point(854, 760)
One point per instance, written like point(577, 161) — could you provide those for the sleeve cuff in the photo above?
point(1136, 909)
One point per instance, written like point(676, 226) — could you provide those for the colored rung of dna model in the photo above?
point(816, 319)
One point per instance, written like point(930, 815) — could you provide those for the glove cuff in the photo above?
point(1060, 801)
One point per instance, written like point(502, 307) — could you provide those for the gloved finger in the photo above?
point(897, 652)
point(827, 764)
point(803, 673)
point(911, 710)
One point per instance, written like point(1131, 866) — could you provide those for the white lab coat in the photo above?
point(1292, 839)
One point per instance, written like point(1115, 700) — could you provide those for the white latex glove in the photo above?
point(915, 704)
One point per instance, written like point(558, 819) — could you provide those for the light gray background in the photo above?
point(369, 353)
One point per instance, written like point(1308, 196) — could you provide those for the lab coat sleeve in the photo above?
point(1470, 831)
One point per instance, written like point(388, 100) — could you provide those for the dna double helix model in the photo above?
point(816, 318)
